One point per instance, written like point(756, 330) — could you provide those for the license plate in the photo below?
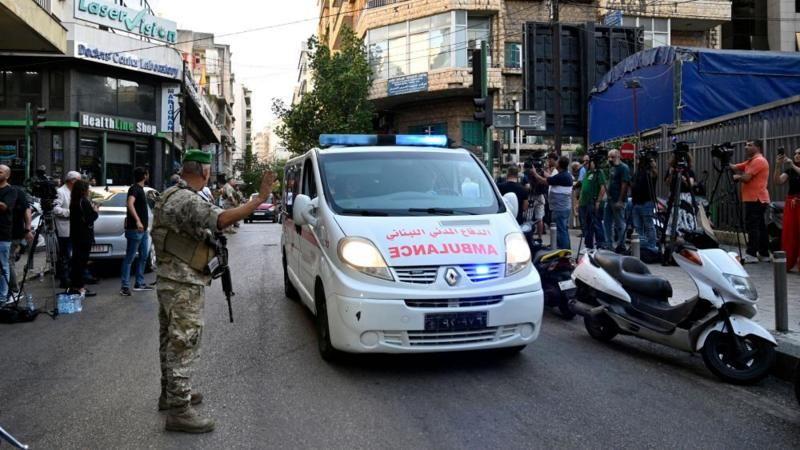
point(464, 321)
point(566, 285)
point(101, 248)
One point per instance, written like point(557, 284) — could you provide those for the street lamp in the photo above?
point(634, 84)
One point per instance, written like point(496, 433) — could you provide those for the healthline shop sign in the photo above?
point(119, 17)
point(119, 124)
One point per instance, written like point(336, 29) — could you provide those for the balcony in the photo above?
point(443, 83)
point(379, 3)
point(32, 26)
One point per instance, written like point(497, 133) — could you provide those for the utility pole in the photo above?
point(517, 133)
point(557, 119)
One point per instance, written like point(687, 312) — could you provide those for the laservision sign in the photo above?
point(143, 23)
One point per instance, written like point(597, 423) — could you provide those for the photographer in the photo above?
point(753, 175)
point(512, 184)
point(593, 188)
point(560, 199)
point(619, 179)
point(536, 199)
point(790, 240)
point(643, 195)
point(681, 165)
point(9, 199)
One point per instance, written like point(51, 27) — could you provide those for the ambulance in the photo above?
point(398, 244)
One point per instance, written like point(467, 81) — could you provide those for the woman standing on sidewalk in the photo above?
point(82, 215)
point(790, 240)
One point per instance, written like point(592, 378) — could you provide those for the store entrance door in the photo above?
point(119, 163)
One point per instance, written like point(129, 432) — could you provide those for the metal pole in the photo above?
point(516, 127)
point(635, 245)
point(557, 77)
point(28, 140)
point(487, 132)
point(781, 297)
point(553, 238)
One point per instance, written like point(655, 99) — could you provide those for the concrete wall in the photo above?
point(785, 23)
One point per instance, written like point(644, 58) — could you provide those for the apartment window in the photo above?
point(429, 43)
point(57, 93)
point(513, 56)
point(656, 31)
point(107, 95)
point(19, 87)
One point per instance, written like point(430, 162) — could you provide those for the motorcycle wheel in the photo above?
point(720, 356)
point(565, 310)
point(601, 327)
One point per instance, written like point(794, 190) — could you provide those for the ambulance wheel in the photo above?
point(288, 288)
point(326, 349)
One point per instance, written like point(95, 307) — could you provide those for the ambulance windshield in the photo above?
point(406, 183)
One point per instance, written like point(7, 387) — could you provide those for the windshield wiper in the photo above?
point(446, 211)
point(364, 212)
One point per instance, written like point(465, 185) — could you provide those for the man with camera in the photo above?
point(643, 198)
point(183, 222)
point(619, 179)
point(560, 199)
point(754, 174)
point(512, 184)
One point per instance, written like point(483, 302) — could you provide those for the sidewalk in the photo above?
point(762, 274)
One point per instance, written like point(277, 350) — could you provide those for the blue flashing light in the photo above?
point(432, 140)
point(482, 270)
point(354, 140)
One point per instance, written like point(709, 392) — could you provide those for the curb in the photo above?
point(788, 354)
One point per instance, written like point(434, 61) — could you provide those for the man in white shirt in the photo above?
point(61, 213)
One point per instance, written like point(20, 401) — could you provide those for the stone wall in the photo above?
point(451, 111)
point(689, 38)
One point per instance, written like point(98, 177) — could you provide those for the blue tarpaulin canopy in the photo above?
point(681, 85)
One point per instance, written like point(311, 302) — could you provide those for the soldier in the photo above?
point(183, 219)
point(229, 198)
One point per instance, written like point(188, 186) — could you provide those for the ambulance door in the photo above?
point(309, 246)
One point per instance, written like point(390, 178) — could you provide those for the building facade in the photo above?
point(419, 51)
point(261, 144)
point(243, 129)
point(305, 82)
point(764, 25)
point(117, 99)
point(697, 23)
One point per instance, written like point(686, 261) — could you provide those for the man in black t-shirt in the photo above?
point(8, 202)
point(512, 184)
point(20, 230)
point(136, 232)
point(644, 183)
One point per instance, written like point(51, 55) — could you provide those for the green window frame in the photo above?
point(513, 58)
point(471, 133)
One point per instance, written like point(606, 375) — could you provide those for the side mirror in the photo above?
point(511, 203)
point(304, 210)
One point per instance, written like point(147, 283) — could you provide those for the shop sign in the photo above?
point(118, 124)
point(141, 22)
point(170, 108)
point(127, 60)
point(408, 84)
point(8, 150)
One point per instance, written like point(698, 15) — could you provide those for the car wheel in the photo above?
point(151, 265)
point(326, 349)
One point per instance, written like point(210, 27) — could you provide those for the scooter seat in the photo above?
point(633, 274)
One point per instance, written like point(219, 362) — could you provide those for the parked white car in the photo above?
point(109, 229)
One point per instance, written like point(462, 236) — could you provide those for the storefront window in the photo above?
point(56, 90)
point(430, 43)
point(20, 87)
point(58, 153)
point(97, 94)
point(89, 157)
point(136, 100)
point(142, 156)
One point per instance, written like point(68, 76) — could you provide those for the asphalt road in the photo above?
point(91, 380)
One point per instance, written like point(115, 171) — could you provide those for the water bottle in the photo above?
point(29, 303)
point(77, 302)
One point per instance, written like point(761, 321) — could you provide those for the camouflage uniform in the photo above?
point(180, 288)
point(229, 197)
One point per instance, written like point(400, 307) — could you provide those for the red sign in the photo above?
point(627, 150)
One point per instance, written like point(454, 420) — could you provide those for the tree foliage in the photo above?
point(338, 101)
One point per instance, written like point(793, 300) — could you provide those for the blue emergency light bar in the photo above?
point(354, 140)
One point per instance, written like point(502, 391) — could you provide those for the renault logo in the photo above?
point(451, 276)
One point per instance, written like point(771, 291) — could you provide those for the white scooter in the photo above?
point(618, 294)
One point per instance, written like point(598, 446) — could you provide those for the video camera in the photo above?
point(597, 153)
point(535, 162)
point(647, 154)
point(723, 152)
point(44, 188)
point(682, 154)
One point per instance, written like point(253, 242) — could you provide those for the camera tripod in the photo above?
point(724, 172)
point(6, 436)
point(673, 211)
point(47, 229)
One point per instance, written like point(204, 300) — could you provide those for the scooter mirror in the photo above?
point(511, 203)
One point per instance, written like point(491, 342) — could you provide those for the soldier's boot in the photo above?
point(187, 420)
point(164, 405)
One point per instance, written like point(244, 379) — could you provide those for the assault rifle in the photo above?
point(218, 267)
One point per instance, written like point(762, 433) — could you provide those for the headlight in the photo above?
point(743, 286)
point(518, 254)
point(363, 256)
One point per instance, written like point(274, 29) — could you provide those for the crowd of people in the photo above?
point(608, 197)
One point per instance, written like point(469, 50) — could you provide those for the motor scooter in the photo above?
point(618, 295)
point(555, 270)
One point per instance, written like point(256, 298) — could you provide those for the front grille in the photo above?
point(454, 302)
point(418, 339)
point(476, 273)
point(483, 272)
point(416, 275)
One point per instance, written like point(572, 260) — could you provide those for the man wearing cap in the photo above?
point(61, 213)
point(182, 222)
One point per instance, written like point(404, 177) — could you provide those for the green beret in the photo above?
point(197, 155)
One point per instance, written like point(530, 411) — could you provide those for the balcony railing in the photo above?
point(45, 4)
point(379, 3)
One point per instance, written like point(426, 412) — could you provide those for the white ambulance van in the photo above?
point(400, 245)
